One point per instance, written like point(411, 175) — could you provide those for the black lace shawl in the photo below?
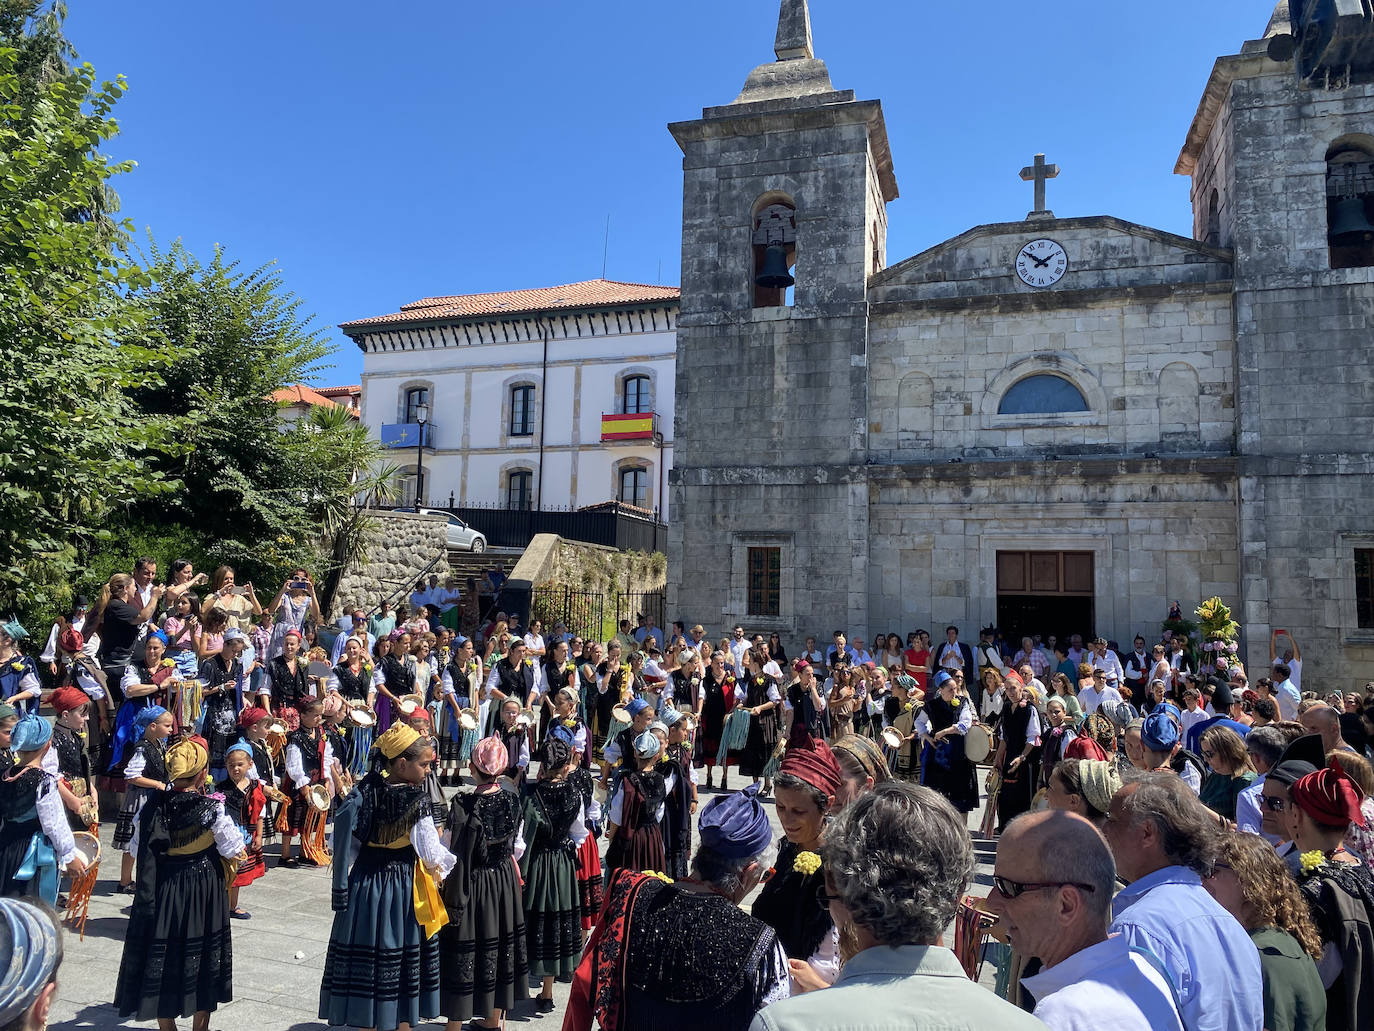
point(788, 904)
point(386, 812)
point(72, 761)
point(18, 795)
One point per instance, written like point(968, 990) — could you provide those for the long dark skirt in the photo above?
point(1016, 795)
point(589, 882)
point(15, 839)
point(483, 965)
point(642, 850)
point(178, 957)
point(758, 748)
point(380, 971)
point(553, 914)
point(948, 771)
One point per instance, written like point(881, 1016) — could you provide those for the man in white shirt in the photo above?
point(1052, 889)
point(738, 646)
point(1286, 692)
point(1137, 672)
point(1092, 697)
point(1291, 657)
point(1105, 659)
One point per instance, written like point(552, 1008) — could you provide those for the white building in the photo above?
point(559, 397)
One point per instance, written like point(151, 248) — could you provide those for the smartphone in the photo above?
point(240, 591)
point(299, 585)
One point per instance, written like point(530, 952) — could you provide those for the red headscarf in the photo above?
point(1084, 747)
point(65, 699)
point(251, 715)
point(811, 761)
point(1330, 797)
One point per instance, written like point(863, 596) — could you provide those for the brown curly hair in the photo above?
point(1269, 888)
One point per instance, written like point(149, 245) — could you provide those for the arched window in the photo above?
point(1042, 394)
point(520, 489)
point(634, 486)
point(637, 397)
point(522, 410)
point(775, 253)
point(1213, 236)
point(415, 397)
point(1350, 205)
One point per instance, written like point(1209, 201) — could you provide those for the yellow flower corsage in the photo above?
point(806, 863)
point(658, 876)
point(1312, 860)
point(166, 663)
point(17, 665)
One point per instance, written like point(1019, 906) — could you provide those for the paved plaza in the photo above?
point(278, 954)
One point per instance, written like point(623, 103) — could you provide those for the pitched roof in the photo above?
point(593, 293)
point(339, 391)
point(300, 394)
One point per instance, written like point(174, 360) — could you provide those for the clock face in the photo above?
point(1041, 263)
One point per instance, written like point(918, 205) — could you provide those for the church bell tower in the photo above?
point(784, 220)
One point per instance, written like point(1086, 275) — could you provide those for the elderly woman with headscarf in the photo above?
point(382, 968)
point(634, 816)
point(808, 781)
point(1085, 787)
point(1339, 890)
point(555, 826)
point(483, 964)
point(178, 958)
point(35, 841)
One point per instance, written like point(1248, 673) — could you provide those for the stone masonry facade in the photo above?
point(1223, 441)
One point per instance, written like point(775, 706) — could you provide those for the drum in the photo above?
point(977, 743)
point(892, 737)
point(87, 847)
point(79, 896)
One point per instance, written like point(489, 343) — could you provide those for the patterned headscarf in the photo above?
point(186, 760)
point(29, 941)
point(490, 756)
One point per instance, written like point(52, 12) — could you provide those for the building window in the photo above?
point(637, 400)
point(634, 486)
point(522, 411)
point(520, 489)
point(415, 397)
point(1042, 395)
point(775, 254)
point(1213, 236)
point(1364, 588)
point(765, 581)
point(1349, 205)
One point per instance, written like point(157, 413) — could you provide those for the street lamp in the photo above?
point(421, 417)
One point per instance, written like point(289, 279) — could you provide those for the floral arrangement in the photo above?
point(806, 863)
point(1313, 860)
point(1218, 628)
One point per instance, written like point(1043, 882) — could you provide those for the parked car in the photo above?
point(461, 536)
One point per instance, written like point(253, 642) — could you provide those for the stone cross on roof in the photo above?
point(1040, 172)
point(794, 31)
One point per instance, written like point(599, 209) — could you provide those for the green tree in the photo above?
point(70, 444)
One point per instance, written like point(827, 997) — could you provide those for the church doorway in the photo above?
point(1045, 593)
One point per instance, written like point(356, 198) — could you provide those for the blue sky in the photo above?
point(381, 153)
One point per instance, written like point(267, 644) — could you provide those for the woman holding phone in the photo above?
point(237, 603)
point(293, 605)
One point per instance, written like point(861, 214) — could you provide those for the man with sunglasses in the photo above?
point(1275, 798)
point(1057, 910)
point(1164, 840)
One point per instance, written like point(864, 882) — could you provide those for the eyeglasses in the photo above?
point(823, 899)
point(1013, 889)
point(1274, 804)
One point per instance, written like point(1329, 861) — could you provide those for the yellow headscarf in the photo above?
point(185, 760)
point(396, 740)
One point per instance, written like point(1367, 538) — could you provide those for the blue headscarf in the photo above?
point(146, 718)
point(28, 940)
point(736, 826)
point(158, 635)
point(238, 746)
point(31, 733)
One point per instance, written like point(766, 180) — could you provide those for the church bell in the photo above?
point(775, 274)
point(1350, 226)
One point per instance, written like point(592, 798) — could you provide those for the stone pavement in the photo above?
point(278, 954)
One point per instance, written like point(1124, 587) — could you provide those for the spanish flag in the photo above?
point(627, 427)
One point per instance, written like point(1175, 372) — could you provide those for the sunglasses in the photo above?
point(1014, 889)
point(1273, 803)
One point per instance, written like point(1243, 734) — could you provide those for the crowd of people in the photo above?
point(504, 809)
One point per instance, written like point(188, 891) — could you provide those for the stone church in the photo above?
point(1056, 425)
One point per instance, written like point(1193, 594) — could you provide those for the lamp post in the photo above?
point(421, 417)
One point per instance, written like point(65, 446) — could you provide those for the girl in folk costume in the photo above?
point(288, 676)
point(715, 701)
point(253, 726)
point(555, 825)
point(419, 722)
point(559, 674)
point(19, 684)
point(790, 900)
point(9, 717)
point(178, 957)
point(568, 725)
point(308, 761)
point(588, 854)
point(763, 700)
point(145, 776)
point(514, 735)
point(941, 726)
point(335, 712)
point(483, 965)
point(394, 679)
point(244, 802)
point(35, 841)
point(69, 759)
point(144, 684)
point(222, 676)
point(382, 969)
point(635, 812)
point(459, 689)
point(681, 801)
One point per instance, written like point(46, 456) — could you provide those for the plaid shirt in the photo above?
point(261, 639)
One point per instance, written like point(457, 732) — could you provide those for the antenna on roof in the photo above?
point(659, 280)
point(606, 245)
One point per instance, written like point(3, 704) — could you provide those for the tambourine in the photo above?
point(467, 719)
point(87, 846)
point(977, 743)
point(892, 737)
point(317, 796)
point(274, 793)
point(621, 714)
point(277, 728)
point(361, 717)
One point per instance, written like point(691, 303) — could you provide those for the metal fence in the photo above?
point(614, 525)
point(593, 615)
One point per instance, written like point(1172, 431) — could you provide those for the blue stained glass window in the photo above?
point(1042, 395)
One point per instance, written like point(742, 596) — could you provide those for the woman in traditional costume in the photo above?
point(178, 954)
point(309, 760)
point(681, 801)
point(555, 825)
point(568, 725)
point(288, 675)
point(1017, 758)
point(636, 809)
point(145, 683)
point(715, 701)
point(763, 701)
point(790, 900)
point(941, 727)
point(145, 775)
point(482, 952)
point(35, 842)
point(19, 683)
point(382, 968)
point(244, 802)
point(461, 686)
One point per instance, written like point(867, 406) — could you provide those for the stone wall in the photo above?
point(400, 548)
